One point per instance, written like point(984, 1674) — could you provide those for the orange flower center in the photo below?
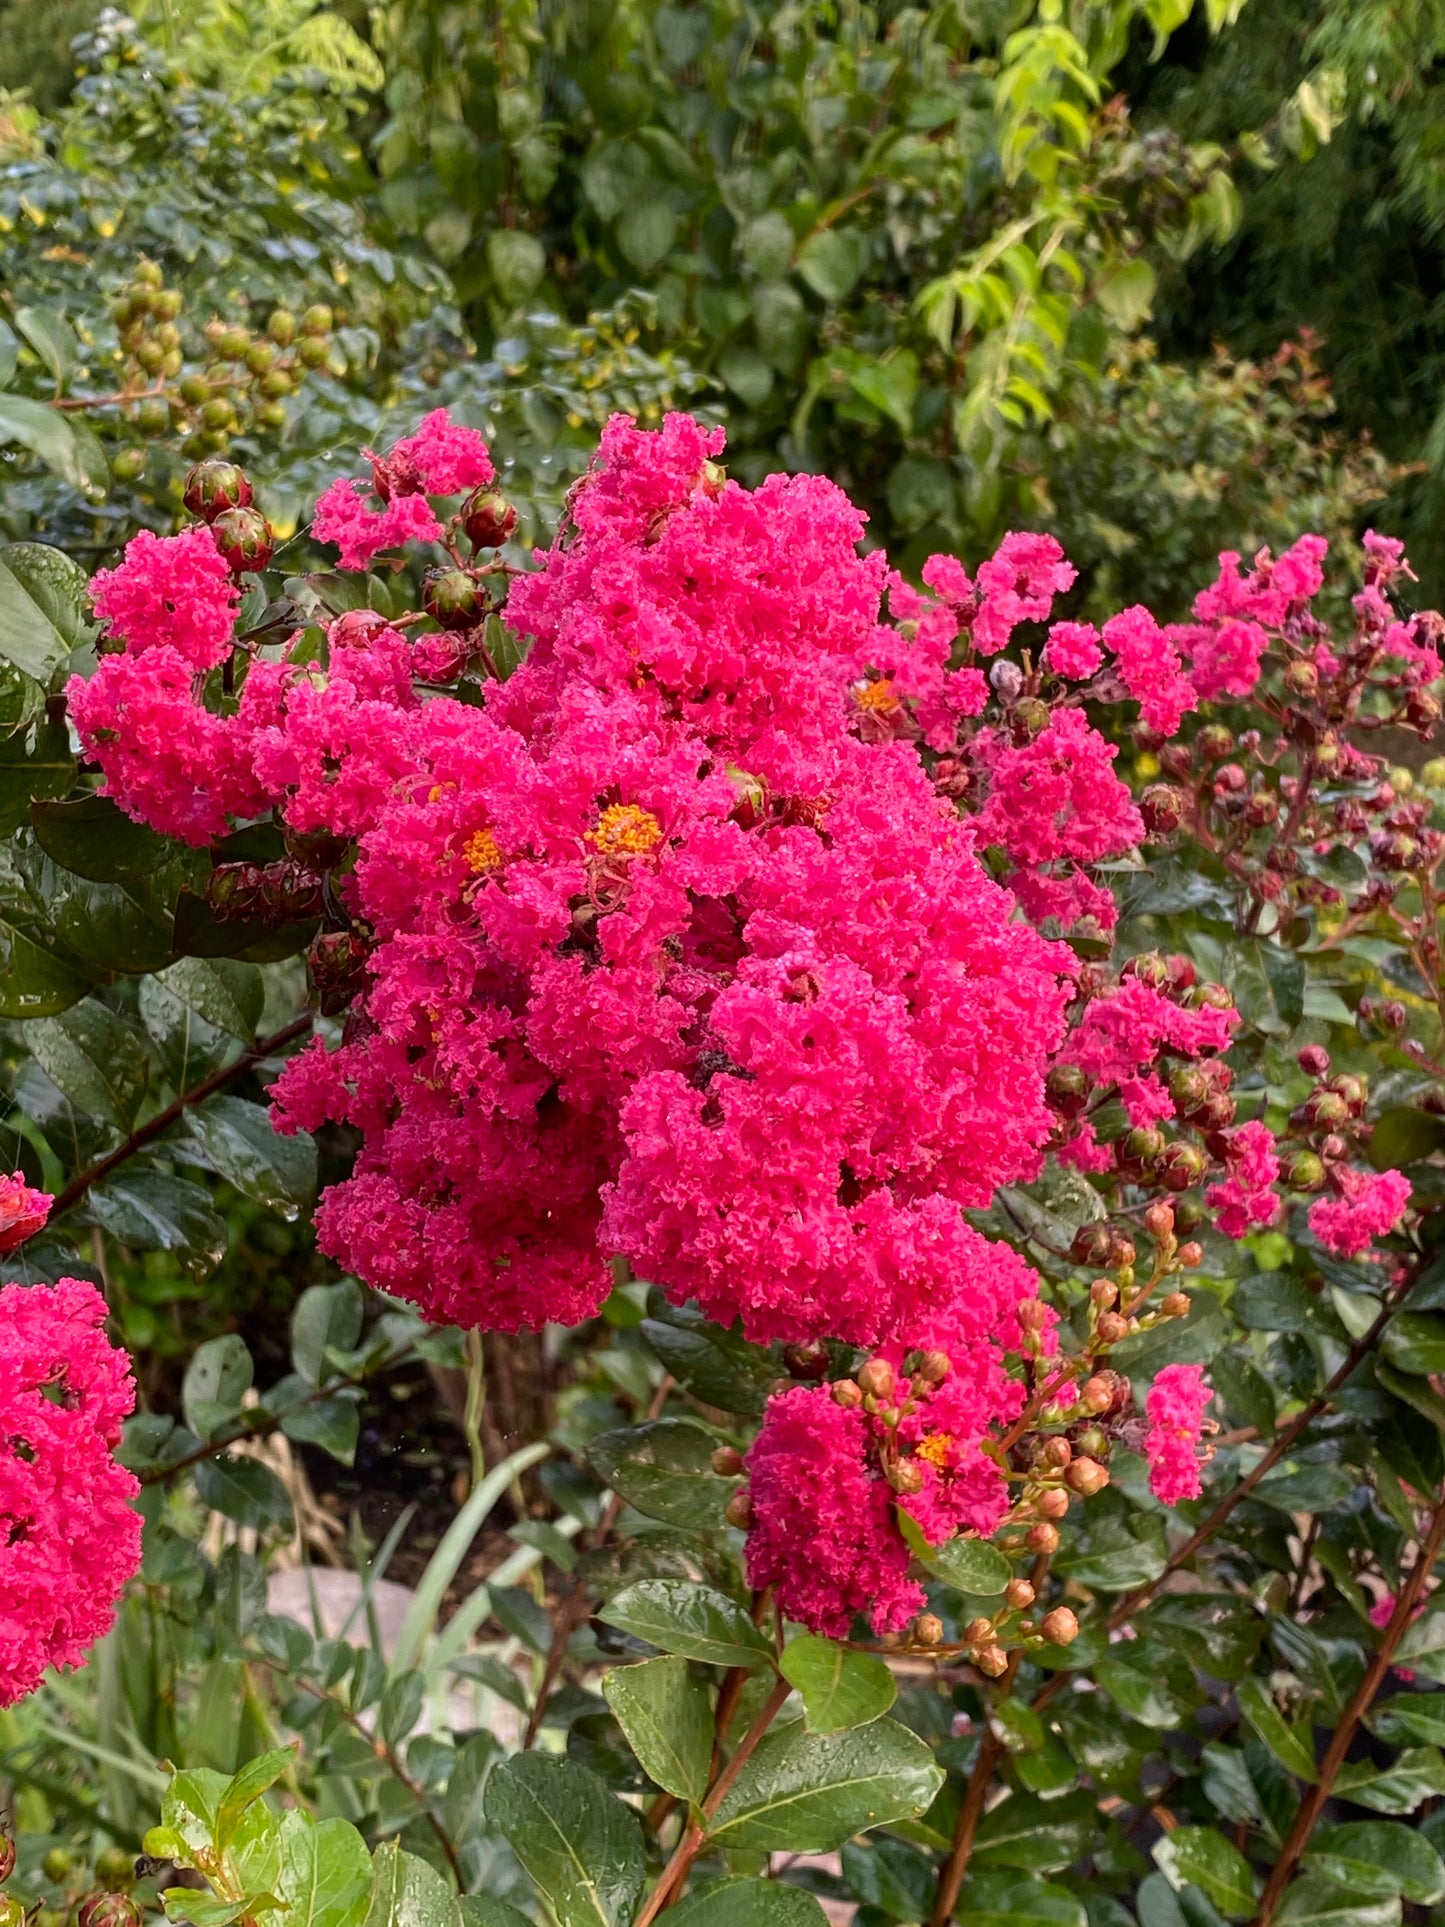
point(481, 852)
point(880, 696)
point(937, 1449)
point(625, 830)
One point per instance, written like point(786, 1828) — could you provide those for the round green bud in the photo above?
point(282, 327)
point(317, 320)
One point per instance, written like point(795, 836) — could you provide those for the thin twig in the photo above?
point(1298, 1838)
point(154, 1127)
point(160, 1473)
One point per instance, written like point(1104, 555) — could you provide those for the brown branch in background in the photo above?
point(156, 1126)
point(1298, 1839)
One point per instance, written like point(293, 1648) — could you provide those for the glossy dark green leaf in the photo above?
point(1403, 1135)
point(1036, 1835)
point(1274, 1301)
point(92, 837)
point(838, 1688)
point(1410, 1716)
point(664, 1468)
point(814, 1791)
point(1112, 1559)
point(664, 1711)
point(37, 616)
point(1290, 1745)
point(1422, 1645)
point(1209, 1861)
point(243, 1490)
point(998, 1899)
point(581, 1846)
point(150, 1210)
point(326, 1318)
point(1377, 1858)
point(326, 1872)
point(719, 1369)
point(94, 1057)
point(749, 1903)
point(691, 1620)
point(407, 1892)
point(218, 1377)
point(1315, 1902)
point(35, 982)
point(234, 1138)
point(1414, 1341)
point(1416, 1775)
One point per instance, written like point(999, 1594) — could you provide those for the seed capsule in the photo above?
point(928, 1630)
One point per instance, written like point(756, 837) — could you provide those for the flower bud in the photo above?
point(1150, 968)
point(1018, 1594)
point(1355, 1090)
point(57, 1864)
point(244, 540)
point(1086, 1477)
point(934, 1368)
point(1096, 1394)
point(1162, 808)
point(808, 1360)
point(1067, 1090)
point(905, 1477)
point(1142, 1145)
point(1033, 1315)
point(992, 1661)
point(739, 1511)
point(453, 598)
point(1176, 1305)
point(1006, 680)
point(107, 1910)
point(1056, 1453)
point(1190, 1255)
point(927, 1630)
point(1214, 743)
point(7, 1856)
point(1052, 1503)
point(488, 518)
point(213, 487)
point(1092, 1245)
point(337, 960)
point(727, 1462)
point(1060, 1627)
point(1104, 1293)
point(1302, 1171)
point(875, 1379)
point(1032, 715)
point(977, 1632)
point(847, 1393)
point(1112, 1327)
point(12, 1914)
point(1159, 1220)
point(1042, 1538)
point(1325, 1109)
point(1183, 1165)
point(317, 320)
point(114, 1869)
point(1093, 1442)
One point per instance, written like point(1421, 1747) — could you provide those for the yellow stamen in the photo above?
point(880, 696)
point(481, 852)
point(625, 830)
point(936, 1449)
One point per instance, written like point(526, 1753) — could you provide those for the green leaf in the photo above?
point(1403, 1135)
point(1143, 1692)
point(243, 1490)
point(235, 1139)
point(1113, 1560)
point(52, 338)
point(326, 1318)
point(1378, 1857)
point(406, 1892)
point(1422, 1645)
point(664, 1468)
point(1291, 1747)
point(248, 1785)
point(830, 261)
point(1126, 294)
point(34, 982)
point(663, 1709)
point(581, 1846)
point(57, 586)
point(226, 994)
point(94, 1057)
point(692, 1620)
point(333, 1424)
point(805, 1792)
point(1417, 1774)
point(645, 231)
point(1410, 1716)
point(479, 1910)
point(968, 1565)
point(891, 387)
point(997, 1899)
point(191, 1803)
point(1313, 1902)
point(1034, 1835)
point(748, 1903)
point(326, 1872)
point(91, 837)
point(711, 1363)
point(1273, 1301)
point(48, 436)
point(1414, 1341)
point(149, 1210)
point(517, 261)
point(1213, 1864)
point(747, 373)
point(839, 1689)
point(217, 1379)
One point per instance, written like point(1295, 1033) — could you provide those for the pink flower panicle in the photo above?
point(1369, 1205)
point(1175, 1409)
point(172, 591)
point(23, 1211)
point(441, 458)
point(72, 1539)
point(1245, 1197)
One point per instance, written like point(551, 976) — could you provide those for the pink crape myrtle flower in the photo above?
point(1175, 1409)
point(1245, 1198)
point(362, 533)
point(442, 456)
point(23, 1211)
point(1072, 650)
point(1369, 1205)
point(1149, 663)
point(173, 591)
point(74, 1539)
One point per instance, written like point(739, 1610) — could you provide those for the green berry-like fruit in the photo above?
point(115, 1869)
point(232, 343)
point(194, 390)
point(275, 383)
point(57, 1864)
point(260, 356)
point(282, 327)
point(488, 518)
point(313, 351)
point(244, 539)
point(150, 355)
point(213, 487)
point(129, 464)
point(148, 275)
point(453, 598)
point(153, 417)
point(169, 303)
point(218, 413)
point(270, 414)
point(318, 320)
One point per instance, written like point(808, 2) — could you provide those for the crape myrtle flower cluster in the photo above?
point(751, 931)
point(69, 1536)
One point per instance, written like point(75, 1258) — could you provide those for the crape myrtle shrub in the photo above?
point(997, 1204)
